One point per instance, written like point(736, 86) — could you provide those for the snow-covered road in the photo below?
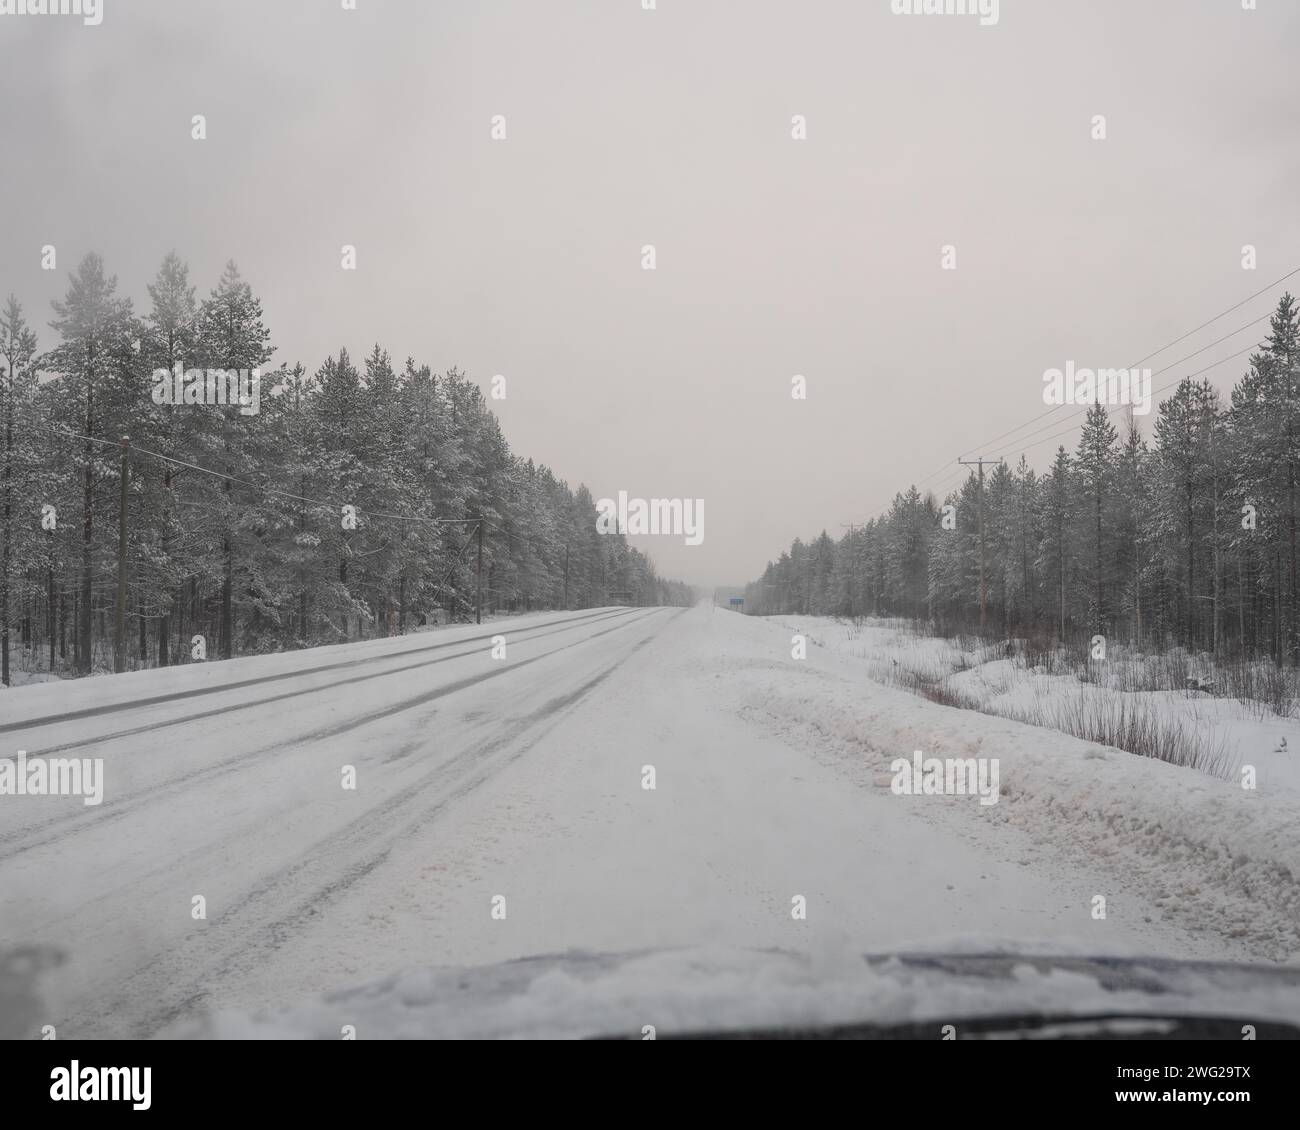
point(500, 810)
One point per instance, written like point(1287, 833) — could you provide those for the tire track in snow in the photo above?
point(73, 823)
point(534, 633)
point(259, 923)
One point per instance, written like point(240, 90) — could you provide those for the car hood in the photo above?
point(692, 991)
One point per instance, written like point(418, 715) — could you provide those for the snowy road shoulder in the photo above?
point(1218, 859)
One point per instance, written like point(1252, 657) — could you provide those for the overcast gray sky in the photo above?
point(673, 128)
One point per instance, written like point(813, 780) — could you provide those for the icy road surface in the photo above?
point(522, 777)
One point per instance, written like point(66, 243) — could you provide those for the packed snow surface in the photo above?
point(501, 812)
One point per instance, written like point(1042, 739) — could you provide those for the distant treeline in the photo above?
point(237, 522)
point(1186, 538)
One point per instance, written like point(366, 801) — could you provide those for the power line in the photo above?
point(1163, 388)
point(1110, 411)
point(1168, 345)
point(273, 490)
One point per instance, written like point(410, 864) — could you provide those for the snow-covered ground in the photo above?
point(1237, 733)
point(500, 813)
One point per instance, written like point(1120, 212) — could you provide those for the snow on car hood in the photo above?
point(682, 991)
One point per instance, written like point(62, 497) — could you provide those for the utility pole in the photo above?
point(478, 603)
point(50, 539)
point(4, 559)
point(566, 578)
point(984, 586)
point(119, 634)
